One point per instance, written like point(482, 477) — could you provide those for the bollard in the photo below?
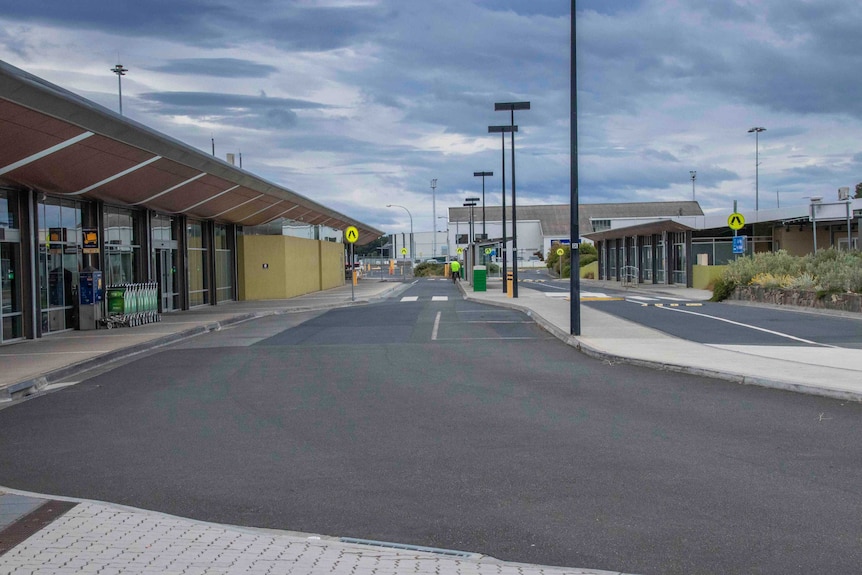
point(510, 281)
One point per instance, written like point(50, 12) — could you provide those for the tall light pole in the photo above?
point(756, 131)
point(412, 256)
point(448, 249)
point(512, 106)
point(483, 174)
point(693, 175)
point(502, 131)
point(471, 203)
point(120, 72)
point(574, 212)
point(434, 221)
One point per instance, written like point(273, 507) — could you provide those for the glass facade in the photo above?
point(122, 245)
point(11, 316)
point(679, 258)
point(223, 263)
point(60, 238)
point(646, 260)
point(198, 246)
point(165, 260)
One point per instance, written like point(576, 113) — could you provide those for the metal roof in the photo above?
point(60, 143)
point(647, 229)
point(554, 218)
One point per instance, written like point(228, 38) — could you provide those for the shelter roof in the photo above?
point(60, 143)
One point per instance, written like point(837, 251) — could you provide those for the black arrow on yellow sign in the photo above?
point(352, 234)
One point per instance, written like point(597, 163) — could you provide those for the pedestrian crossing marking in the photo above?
point(411, 298)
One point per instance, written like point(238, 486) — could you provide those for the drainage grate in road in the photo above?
point(405, 547)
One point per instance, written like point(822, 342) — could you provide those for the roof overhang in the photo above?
point(657, 227)
point(59, 143)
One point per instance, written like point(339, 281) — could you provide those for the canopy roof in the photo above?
point(60, 143)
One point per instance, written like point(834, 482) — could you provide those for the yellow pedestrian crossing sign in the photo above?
point(460, 250)
point(736, 221)
point(403, 251)
point(351, 233)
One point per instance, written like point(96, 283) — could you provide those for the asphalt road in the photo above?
point(456, 425)
point(719, 323)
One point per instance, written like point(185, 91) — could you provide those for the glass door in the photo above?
point(166, 266)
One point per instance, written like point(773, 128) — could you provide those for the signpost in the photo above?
point(352, 234)
point(739, 244)
point(560, 252)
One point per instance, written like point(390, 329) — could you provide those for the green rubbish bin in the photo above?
point(116, 300)
point(480, 278)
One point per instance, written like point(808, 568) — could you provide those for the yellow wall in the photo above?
point(592, 267)
point(704, 276)
point(294, 266)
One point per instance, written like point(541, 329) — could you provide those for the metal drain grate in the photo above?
point(405, 547)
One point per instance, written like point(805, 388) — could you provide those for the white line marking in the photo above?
point(440, 298)
point(754, 327)
point(436, 326)
point(641, 298)
point(554, 294)
point(410, 298)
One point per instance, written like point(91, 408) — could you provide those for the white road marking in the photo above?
point(436, 326)
point(410, 298)
point(754, 327)
point(440, 298)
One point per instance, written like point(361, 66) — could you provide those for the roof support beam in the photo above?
point(238, 205)
point(263, 210)
point(116, 176)
point(209, 199)
point(171, 189)
point(45, 152)
point(279, 215)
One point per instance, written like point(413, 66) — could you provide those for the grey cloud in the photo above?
point(216, 67)
point(205, 102)
point(661, 155)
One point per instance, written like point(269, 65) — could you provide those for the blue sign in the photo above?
point(565, 242)
point(739, 244)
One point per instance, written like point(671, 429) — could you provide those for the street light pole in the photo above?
point(502, 131)
point(483, 174)
point(448, 248)
point(756, 131)
point(512, 106)
point(693, 175)
point(574, 213)
point(412, 257)
point(434, 213)
point(120, 72)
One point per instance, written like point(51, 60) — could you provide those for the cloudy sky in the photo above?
point(360, 103)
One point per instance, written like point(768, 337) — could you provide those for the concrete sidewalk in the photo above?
point(829, 372)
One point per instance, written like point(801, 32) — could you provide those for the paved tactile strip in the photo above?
point(31, 523)
point(98, 538)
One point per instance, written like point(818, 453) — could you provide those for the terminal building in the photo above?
point(84, 189)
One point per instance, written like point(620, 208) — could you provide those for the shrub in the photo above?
point(587, 259)
point(722, 288)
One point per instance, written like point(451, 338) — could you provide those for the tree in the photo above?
point(858, 190)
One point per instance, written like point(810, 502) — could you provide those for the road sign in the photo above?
point(403, 251)
point(739, 244)
point(351, 233)
point(736, 221)
point(560, 251)
point(460, 251)
point(487, 251)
